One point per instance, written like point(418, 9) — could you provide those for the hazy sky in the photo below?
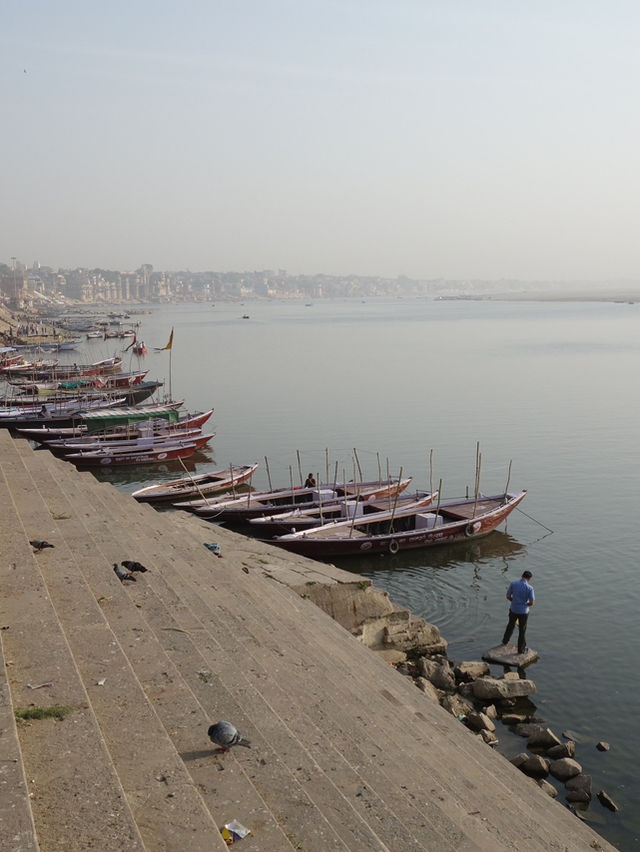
point(459, 138)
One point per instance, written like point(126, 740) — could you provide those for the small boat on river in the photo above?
point(343, 510)
point(135, 456)
point(196, 486)
point(450, 521)
point(254, 504)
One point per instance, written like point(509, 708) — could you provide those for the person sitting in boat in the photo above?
point(310, 481)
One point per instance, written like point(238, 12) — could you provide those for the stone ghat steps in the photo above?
point(347, 753)
point(150, 783)
point(73, 787)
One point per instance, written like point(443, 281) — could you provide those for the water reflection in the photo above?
point(496, 547)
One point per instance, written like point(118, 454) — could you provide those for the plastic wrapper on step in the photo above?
point(234, 831)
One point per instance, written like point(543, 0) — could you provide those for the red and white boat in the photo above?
point(196, 486)
point(112, 458)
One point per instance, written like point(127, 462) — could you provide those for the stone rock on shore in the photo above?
point(547, 787)
point(565, 768)
point(579, 788)
point(606, 801)
point(567, 749)
point(468, 671)
point(457, 705)
point(488, 688)
point(533, 765)
point(543, 738)
point(438, 671)
point(479, 721)
point(402, 631)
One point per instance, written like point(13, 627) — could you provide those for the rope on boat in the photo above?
point(522, 512)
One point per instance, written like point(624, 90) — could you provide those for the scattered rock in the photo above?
point(479, 721)
point(489, 737)
point(547, 787)
point(527, 729)
point(491, 711)
point(571, 735)
point(579, 788)
point(519, 759)
point(513, 718)
point(567, 749)
point(565, 768)
point(606, 801)
point(428, 688)
point(438, 672)
point(405, 632)
point(535, 765)
point(457, 705)
point(487, 688)
point(543, 738)
point(468, 671)
point(602, 746)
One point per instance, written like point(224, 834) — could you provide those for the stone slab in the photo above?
point(507, 655)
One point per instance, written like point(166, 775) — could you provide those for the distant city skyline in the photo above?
point(481, 141)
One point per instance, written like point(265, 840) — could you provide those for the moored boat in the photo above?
point(198, 485)
point(345, 509)
point(448, 522)
point(257, 503)
point(113, 458)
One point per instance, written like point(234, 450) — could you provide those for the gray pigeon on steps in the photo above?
point(226, 735)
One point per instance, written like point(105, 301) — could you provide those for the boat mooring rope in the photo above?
point(534, 520)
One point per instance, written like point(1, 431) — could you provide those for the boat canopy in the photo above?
point(96, 422)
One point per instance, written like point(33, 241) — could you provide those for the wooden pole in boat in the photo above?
point(431, 471)
point(388, 483)
point(293, 496)
point(506, 488)
point(475, 504)
point(379, 469)
point(395, 502)
point(438, 504)
point(193, 482)
point(326, 464)
point(319, 498)
point(233, 485)
point(266, 464)
point(299, 468)
point(355, 455)
point(335, 476)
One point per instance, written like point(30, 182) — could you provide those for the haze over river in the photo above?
point(552, 387)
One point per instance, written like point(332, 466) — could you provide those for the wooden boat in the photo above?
point(89, 443)
point(196, 486)
point(113, 458)
point(286, 522)
point(448, 522)
point(257, 503)
point(149, 426)
point(96, 416)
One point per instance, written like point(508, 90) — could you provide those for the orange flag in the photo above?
point(169, 344)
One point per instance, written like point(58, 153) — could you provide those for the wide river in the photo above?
point(549, 387)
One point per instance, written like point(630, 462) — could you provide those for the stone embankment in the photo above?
point(108, 689)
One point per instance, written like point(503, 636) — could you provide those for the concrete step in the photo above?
point(75, 795)
point(306, 691)
point(162, 798)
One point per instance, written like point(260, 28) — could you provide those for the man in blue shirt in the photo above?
point(522, 597)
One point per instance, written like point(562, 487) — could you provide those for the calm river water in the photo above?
point(551, 387)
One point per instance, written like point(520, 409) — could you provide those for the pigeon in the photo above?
point(134, 566)
point(40, 545)
point(226, 735)
point(122, 574)
point(214, 548)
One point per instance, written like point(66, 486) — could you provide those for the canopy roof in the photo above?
point(109, 417)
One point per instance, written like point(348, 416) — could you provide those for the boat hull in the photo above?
point(196, 486)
